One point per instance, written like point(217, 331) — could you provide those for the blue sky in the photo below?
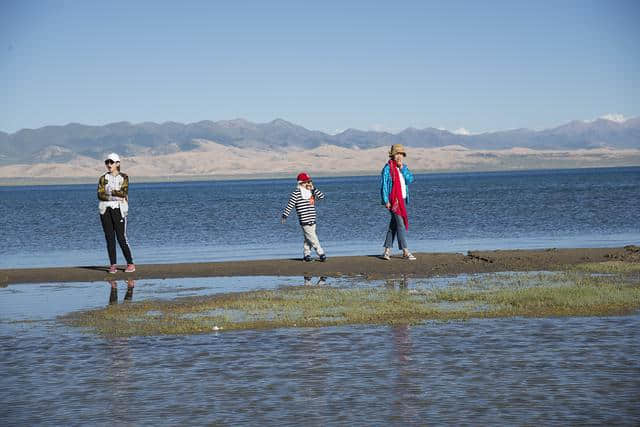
point(324, 65)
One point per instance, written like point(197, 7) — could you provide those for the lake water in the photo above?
point(517, 371)
point(225, 220)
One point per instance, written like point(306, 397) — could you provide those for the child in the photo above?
point(304, 199)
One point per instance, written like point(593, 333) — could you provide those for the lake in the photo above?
point(230, 220)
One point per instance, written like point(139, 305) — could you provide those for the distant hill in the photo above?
point(56, 144)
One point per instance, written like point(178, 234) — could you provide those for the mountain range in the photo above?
point(59, 144)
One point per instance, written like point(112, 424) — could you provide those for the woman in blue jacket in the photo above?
point(394, 191)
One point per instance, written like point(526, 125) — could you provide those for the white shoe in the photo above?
point(409, 256)
point(386, 255)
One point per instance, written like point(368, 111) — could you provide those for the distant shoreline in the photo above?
point(47, 181)
point(371, 266)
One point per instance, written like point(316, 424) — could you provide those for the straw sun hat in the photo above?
point(397, 149)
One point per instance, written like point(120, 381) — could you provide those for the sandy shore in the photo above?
point(427, 264)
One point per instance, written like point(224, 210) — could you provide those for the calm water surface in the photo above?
point(505, 371)
point(205, 221)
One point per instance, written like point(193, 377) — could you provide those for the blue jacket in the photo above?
point(386, 182)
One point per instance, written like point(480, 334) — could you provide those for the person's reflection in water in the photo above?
point(404, 403)
point(113, 296)
point(405, 392)
point(321, 281)
point(120, 367)
point(113, 293)
point(312, 373)
point(119, 380)
point(403, 283)
point(130, 285)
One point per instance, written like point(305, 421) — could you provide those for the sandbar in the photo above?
point(369, 266)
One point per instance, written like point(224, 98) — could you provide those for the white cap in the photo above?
point(114, 157)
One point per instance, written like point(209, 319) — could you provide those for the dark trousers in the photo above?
point(115, 225)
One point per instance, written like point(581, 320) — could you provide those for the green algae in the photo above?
point(487, 296)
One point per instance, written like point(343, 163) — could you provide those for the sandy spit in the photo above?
point(370, 266)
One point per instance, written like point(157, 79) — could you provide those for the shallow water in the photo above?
point(507, 371)
point(230, 220)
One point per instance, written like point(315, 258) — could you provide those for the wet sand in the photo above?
point(371, 266)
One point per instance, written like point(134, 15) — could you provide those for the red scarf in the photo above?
point(396, 199)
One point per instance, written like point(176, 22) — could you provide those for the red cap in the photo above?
point(303, 177)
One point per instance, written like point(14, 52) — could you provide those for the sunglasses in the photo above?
point(109, 162)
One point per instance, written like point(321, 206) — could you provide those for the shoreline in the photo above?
point(83, 180)
point(370, 266)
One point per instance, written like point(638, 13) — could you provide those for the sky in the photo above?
point(330, 65)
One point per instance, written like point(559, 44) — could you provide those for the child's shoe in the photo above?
point(113, 269)
point(130, 268)
point(307, 258)
point(323, 258)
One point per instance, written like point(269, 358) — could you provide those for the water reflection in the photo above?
point(401, 283)
point(129, 295)
point(404, 403)
point(113, 292)
point(321, 281)
point(404, 400)
point(119, 376)
point(313, 381)
point(120, 363)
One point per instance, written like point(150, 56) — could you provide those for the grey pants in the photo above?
point(311, 240)
point(396, 226)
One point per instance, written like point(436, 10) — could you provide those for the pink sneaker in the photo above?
point(113, 269)
point(130, 268)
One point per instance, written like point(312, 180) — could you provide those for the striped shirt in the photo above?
point(306, 209)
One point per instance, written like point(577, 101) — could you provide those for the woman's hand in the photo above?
point(388, 205)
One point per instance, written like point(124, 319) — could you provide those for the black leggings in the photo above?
point(114, 224)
